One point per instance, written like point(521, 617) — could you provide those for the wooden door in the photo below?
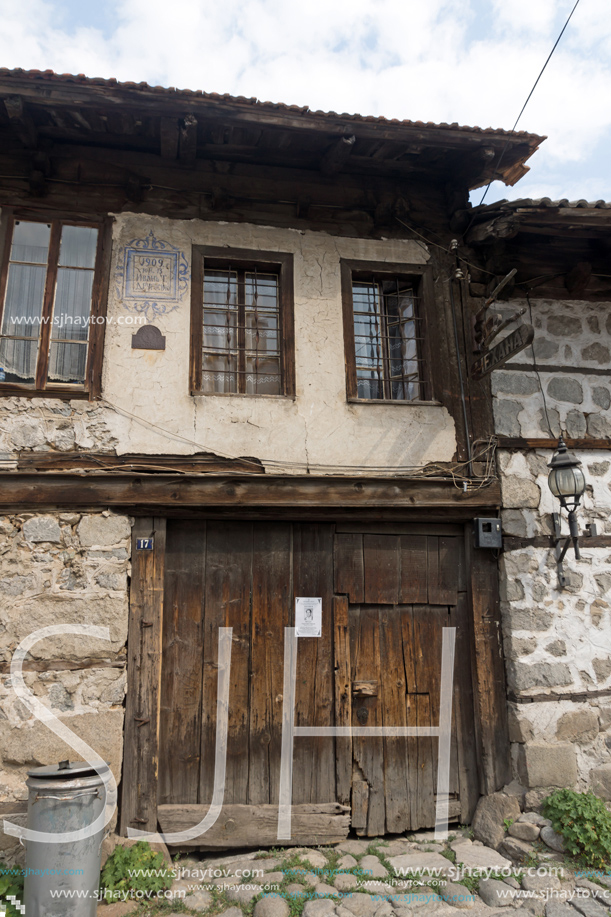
point(386, 595)
point(402, 589)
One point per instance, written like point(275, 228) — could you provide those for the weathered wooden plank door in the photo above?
point(402, 590)
point(386, 593)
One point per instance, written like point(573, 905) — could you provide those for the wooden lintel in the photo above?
point(257, 826)
point(519, 442)
point(337, 155)
point(586, 542)
point(20, 490)
point(203, 462)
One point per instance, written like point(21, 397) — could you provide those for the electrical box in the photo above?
point(488, 533)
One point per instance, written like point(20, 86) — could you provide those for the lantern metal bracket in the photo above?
point(560, 548)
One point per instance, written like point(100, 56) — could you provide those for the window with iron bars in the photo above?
point(385, 352)
point(242, 324)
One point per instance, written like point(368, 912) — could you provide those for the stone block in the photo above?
point(551, 839)
point(600, 781)
point(544, 348)
point(42, 528)
point(596, 353)
point(602, 668)
point(103, 530)
point(601, 397)
point(523, 676)
point(564, 325)
point(520, 646)
point(579, 726)
point(542, 765)
point(514, 523)
point(514, 383)
point(520, 729)
point(524, 831)
point(575, 424)
point(35, 745)
point(518, 492)
point(599, 427)
point(533, 800)
point(506, 412)
point(566, 389)
point(490, 814)
point(515, 849)
point(533, 619)
point(50, 608)
point(556, 648)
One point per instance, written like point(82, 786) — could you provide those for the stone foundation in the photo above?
point(62, 568)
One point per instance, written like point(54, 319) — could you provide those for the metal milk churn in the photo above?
point(62, 879)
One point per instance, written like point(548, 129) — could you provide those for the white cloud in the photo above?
point(469, 61)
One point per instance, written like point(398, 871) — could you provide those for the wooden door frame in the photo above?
point(142, 712)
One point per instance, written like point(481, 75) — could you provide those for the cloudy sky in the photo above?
point(470, 61)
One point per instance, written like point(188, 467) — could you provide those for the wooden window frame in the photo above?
point(423, 277)
point(92, 386)
point(280, 262)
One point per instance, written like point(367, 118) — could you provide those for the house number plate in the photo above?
point(144, 544)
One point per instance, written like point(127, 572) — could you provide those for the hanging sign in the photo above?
point(308, 617)
point(496, 356)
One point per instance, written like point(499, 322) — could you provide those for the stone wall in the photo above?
point(62, 568)
point(147, 405)
point(558, 642)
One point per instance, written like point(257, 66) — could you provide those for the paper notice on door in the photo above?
point(308, 617)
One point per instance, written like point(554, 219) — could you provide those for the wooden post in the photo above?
point(141, 748)
point(490, 698)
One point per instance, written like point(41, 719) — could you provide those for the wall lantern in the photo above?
point(567, 482)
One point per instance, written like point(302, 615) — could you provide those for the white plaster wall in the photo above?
point(318, 426)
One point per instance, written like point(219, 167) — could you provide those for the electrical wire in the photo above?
point(549, 57)
point(454, 471)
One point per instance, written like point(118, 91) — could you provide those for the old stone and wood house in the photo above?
point(236, 369)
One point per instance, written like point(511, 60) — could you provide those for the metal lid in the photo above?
point(66, 770)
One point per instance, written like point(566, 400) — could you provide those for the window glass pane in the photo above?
point(260, 290)
point(30, 242)
point(72, 307)
point(365, 297)
point(220, 288)
point(23, 304)
point(369, 384)
point(67, 363)
point(262, 332)
point(220, 372)
point(263, 375)
point(220, 330)
point(18, 361)
point(78, 246)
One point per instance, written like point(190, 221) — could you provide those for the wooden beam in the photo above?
point(492, 731)
point(578, 278)
point(257, 826)
point(187, 146)
point(19, 490)
point(141, 737)
point(337, 155)
point(204, 462)
point(519, 442)
point(21, 121)
point(168, 135)
point(515, 543)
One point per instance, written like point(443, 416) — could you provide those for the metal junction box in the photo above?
point(488, 533)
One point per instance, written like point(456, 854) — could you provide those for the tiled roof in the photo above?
point(545, 203)
point(51, 76)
